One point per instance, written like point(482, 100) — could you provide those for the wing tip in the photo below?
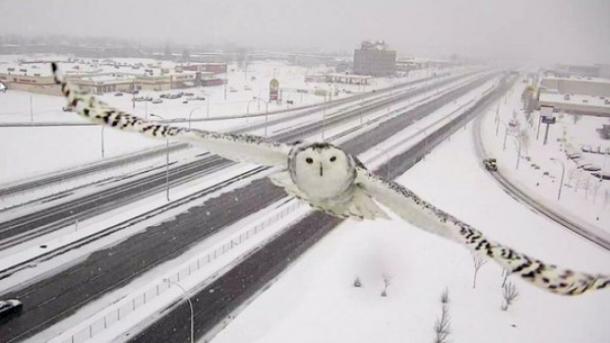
point(55, 70)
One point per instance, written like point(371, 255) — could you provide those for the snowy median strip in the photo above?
point(132, 310)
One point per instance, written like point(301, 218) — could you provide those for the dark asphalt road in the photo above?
point(17, 230)
point(130, 158)
point(600, 238)
point(50, 300)
point(245, 279)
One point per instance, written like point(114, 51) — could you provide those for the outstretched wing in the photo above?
point(418, 212)
point(237, 147)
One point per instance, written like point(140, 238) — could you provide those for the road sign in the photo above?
point(549, 119)
point(274, 87)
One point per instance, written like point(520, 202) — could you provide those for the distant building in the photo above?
point(216, 68)
point(375, 59)
point(100, 81)
point(582, 95)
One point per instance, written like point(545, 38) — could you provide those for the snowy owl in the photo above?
point(336, 182)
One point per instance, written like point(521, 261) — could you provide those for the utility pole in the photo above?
point(546, 133)
point(166, 161)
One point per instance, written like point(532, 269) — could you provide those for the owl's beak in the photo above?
point(321, 170)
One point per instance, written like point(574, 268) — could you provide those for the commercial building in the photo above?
point(375, 59)
point(339, 78)
point(583, 95)
point(30, 83)
point(105, 81)
point(215, 68)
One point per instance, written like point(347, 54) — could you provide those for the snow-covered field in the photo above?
point(19, 144)
point(87, 316)
point(314, 301)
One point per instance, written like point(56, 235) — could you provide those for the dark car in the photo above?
point(490, 164)
point(10, 307)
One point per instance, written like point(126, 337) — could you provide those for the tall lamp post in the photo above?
point(188, 299)
point(166, 160)
point(190, 114)
point(563, 170)
point(518, 143)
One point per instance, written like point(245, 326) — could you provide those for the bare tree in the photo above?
point(445, 296)
point(478, 261)
point(509, 293)
point(387, 280)
point(442, 326)
point(505, 275)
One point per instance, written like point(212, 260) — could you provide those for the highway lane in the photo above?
point(48, 301)
point(600, 238)
point(213, 304)
point(150, 153)
point(19, 229)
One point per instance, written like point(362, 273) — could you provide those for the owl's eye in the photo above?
point(309, 160)
point(333, 158)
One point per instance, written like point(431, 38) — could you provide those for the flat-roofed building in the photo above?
point(375, 59)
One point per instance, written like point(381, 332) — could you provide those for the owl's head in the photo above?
point(321, 170)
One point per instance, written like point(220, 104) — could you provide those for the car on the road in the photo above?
point(10, 307)
point(490, 164)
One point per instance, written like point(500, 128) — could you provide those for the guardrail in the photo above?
point(130, 304)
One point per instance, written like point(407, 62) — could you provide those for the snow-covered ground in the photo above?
point(583, 196)
point(19, 144)
point(88, 315)
point(314, 301)
point(26, 159)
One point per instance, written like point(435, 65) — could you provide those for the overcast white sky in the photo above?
point(546, 30)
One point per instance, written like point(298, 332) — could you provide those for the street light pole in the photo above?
point(518, 142)
point(190, 114)
point(166, 160)
point(188, 299)
point(563, 170)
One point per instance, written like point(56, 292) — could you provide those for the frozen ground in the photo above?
point(88, 315)
point(314, 301)
point(583, 196)
point(18, 142)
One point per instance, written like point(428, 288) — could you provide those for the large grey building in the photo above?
point(374, 58)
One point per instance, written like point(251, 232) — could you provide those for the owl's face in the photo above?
point(322, 170)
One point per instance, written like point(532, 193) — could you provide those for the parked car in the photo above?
point(67, 109)
point(490, 164)
point(118, 94)
point(157, 101)
point(10, 307)
point(188, 94)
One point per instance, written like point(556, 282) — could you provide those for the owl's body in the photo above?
point(325, 176)
point(335, 182)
